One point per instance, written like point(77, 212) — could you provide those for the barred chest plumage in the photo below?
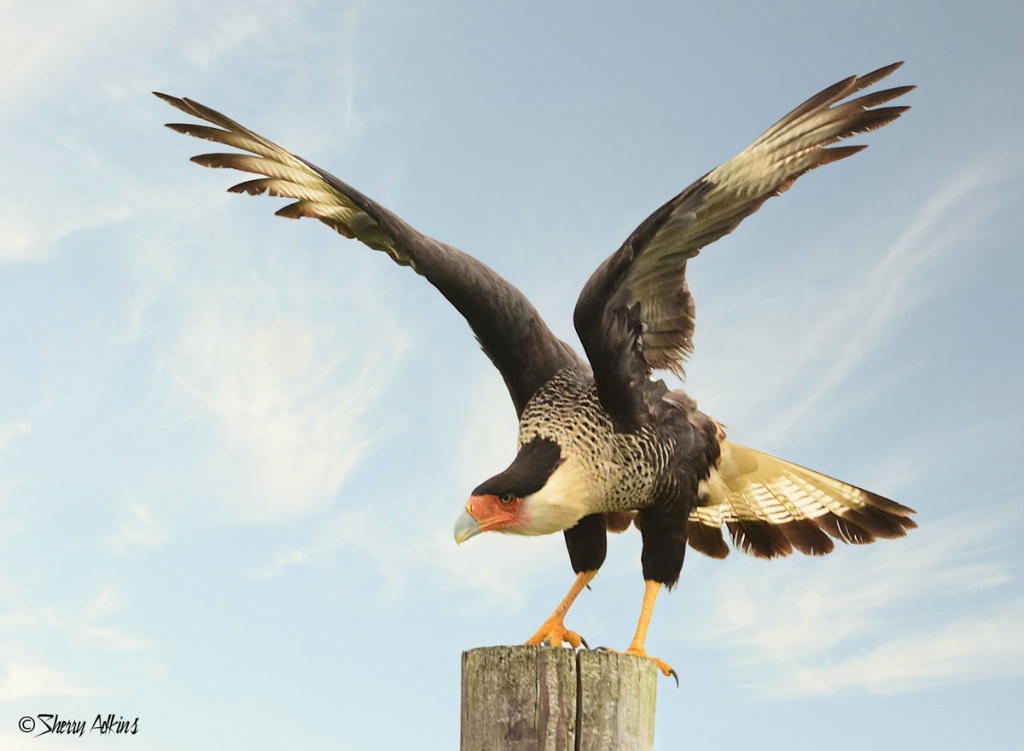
point(609, 471)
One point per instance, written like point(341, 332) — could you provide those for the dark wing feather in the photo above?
point(635, 313)
point(509, 329)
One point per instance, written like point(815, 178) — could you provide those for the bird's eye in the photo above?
point(507, 499)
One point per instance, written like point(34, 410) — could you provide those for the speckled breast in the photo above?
point(620, 470)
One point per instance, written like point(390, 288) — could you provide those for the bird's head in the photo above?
point(532, 497)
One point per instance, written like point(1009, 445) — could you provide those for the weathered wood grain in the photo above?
point(529, 698)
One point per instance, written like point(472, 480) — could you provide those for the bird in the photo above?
point(602, 445)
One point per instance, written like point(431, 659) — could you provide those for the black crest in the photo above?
point(528, 473)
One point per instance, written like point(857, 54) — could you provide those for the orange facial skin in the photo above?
point(487, 513)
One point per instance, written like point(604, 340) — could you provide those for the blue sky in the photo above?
point(232, 447)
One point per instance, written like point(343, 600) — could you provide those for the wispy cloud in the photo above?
point(111, 639)
point(137, 529)
point(966, 649)
point(24, 680)
point(12, 431)
point(364, 530)
point(416, 548)
point(84, 624)
point(286, 388)
point(796, 346)
point(951, 218)
point(482, 430)
point(78, 631)
point(72, 106)
point(108, 600)
point(837, 624)
point(42, 42)
point(488, 441)
point(63, 185)
point(419, 539)
point(30, 238)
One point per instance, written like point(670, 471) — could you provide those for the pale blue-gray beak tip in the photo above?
point(465, 527)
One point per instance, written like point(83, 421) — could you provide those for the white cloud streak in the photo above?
point(12, 431)
point(866, 312)
point(286, 388)
point(796, 346)
point(39, 40)
point(24, 676)
point(24, 680)
point(422, 542)
point(361, 530)
point(138, 529)
point(69, 180)
point(418, 549)
point(833, 626)
point(966, 649)
point(83, 624)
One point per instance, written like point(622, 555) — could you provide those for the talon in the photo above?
point(584, 642)
point(553, 633)
point(666, 669)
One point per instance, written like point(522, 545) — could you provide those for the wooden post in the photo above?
point(543, 699)
point(616, 701)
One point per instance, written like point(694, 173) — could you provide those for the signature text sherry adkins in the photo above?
point(54, 724)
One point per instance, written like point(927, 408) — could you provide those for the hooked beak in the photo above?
point(466, 526)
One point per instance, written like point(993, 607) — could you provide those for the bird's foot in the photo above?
point(666, 669)
point(553, 633)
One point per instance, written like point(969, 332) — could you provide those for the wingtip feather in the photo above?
point(875, 76)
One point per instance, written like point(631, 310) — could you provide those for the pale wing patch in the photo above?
point(771, 507)
point(286, 175)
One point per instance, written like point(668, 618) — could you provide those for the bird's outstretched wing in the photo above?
point(771, 507)
point(506, 324)
point(635, 313)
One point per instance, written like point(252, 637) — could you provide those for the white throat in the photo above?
point(563, 501)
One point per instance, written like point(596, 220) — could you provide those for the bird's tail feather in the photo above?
point(771, 507)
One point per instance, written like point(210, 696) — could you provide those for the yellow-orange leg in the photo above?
point(636, 647)
point(553, 630)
